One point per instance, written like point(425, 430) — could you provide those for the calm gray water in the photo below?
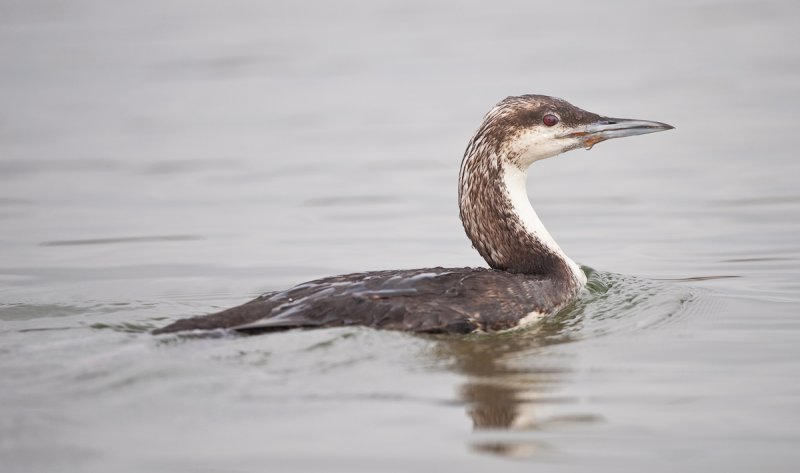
point(165, 159)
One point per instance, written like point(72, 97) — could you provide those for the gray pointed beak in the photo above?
point(608, 128)
point(621, 127)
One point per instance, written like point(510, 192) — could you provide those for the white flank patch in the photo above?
point(514, 179)
point(530, 319)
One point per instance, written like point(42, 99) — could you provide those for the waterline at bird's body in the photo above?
point(531, 276)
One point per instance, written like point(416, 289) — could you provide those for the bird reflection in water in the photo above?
point(509, 379)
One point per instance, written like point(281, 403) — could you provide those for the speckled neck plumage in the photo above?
point(496, 214)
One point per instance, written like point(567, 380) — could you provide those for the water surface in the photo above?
point(164, 160)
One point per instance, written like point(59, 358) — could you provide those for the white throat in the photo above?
point(515, 180)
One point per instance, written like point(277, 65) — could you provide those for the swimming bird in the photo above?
point(529, 276)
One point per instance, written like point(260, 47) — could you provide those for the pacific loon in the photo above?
point(530, 275)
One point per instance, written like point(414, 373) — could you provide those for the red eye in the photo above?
point(550, 119)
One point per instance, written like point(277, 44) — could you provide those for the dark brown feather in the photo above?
point(432, 300)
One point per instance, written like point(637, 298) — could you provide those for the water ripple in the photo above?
point(615, 303)
point(136, 239)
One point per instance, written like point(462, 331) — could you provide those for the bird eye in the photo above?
point(550, 119)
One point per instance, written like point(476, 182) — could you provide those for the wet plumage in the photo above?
point(530, 277)
point(432, 300)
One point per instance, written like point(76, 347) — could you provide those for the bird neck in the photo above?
point(503, 226)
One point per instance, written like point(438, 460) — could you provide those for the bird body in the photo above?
point(431, 300)
point(530, 275)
